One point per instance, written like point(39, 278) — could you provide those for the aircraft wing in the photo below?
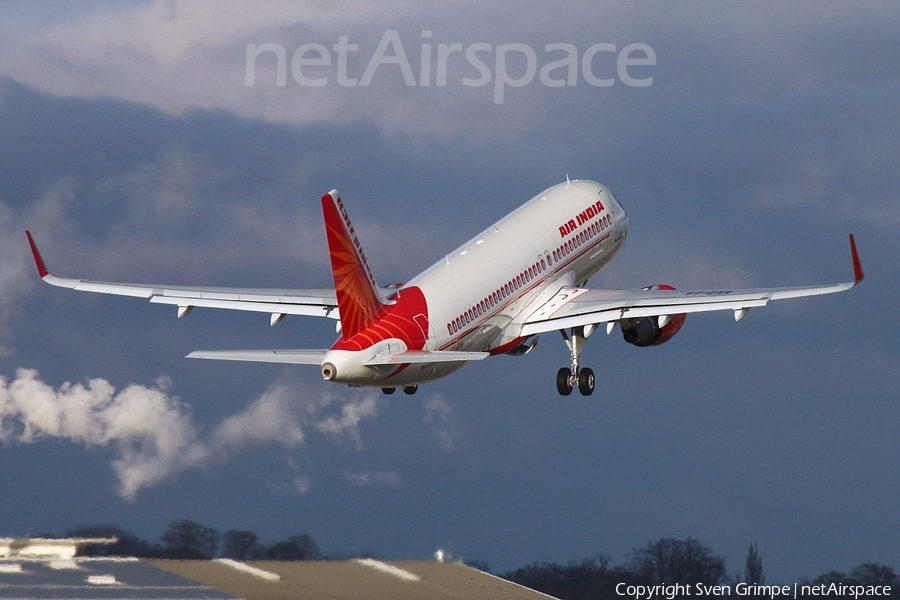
point(575, 307)
point(278, 302)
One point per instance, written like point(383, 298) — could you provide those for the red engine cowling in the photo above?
point(645, 331)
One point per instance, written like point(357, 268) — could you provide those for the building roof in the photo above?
point(42, 569)
point(47, 547)
point(89, 579)
point(356, 579)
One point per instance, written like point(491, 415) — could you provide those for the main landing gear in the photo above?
point(407, 389)
point(566, 381)
point(583, 377)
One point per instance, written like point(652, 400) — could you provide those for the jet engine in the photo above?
point(652, 331)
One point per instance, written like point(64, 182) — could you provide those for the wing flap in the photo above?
point(587, 314)
point(311, 310)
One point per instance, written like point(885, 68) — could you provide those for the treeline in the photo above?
point(664, 561)
point(687, 562)
point(188, 540)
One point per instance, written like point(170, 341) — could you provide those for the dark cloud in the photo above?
point(764, 139)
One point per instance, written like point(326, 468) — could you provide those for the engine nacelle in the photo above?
point(645, 331)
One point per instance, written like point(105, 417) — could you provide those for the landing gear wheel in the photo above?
point(410, 389)
point(564, 381)
point(567, 379)
point(586, 381)
point(388, 391)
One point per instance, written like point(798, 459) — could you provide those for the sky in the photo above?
point(161, 142)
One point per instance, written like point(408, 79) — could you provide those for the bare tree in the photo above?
point(296, 547)
point(190, 540)
point(677, 561)
point(870, 573)
point(588, 579)
point(240, 544)
point(828, 578)
point(753, 571)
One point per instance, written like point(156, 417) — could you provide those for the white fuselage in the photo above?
point(479, 295)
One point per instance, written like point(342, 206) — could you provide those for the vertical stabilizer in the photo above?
point(358, 297)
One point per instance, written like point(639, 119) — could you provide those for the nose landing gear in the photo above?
point(567, 379)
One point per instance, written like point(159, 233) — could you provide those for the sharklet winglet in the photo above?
point(858, 273)
point(38, 259)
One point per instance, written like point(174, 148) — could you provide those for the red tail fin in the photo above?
point(357, 293)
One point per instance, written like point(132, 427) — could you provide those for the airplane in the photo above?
point(523, 276)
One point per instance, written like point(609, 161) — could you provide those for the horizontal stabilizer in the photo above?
point(423, 356)
point(294, 357)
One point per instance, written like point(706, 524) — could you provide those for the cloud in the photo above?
point(17, 272)
point(176, 54)
point(439, 414)
point(367, 478)
point(346, 424)
point(832, 186)
point(270, 418)
point(166, 191)
point(14, 281)
point(150, 430)
point(302, 484)
point(152, 433)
